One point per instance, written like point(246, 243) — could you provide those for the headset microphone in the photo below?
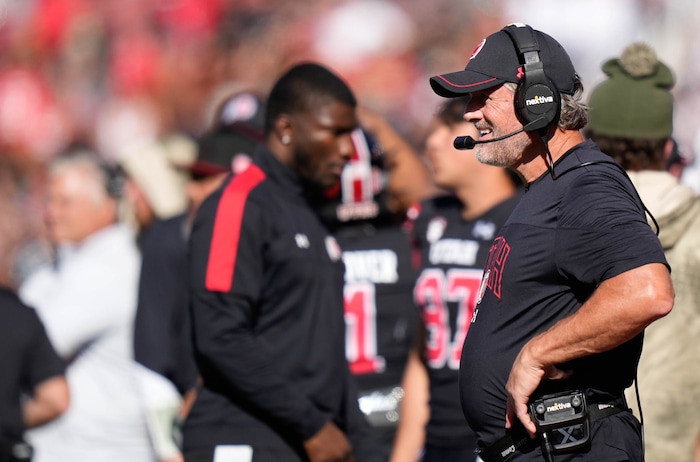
point(467, 142)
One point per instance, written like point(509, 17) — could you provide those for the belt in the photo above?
point(505, 447)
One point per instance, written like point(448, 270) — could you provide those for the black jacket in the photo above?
point(27, 358)
point(267, 313)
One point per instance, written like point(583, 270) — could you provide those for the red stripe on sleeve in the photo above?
point(227, 229)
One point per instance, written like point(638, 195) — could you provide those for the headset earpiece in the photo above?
point(537, 100)
point(114, 180)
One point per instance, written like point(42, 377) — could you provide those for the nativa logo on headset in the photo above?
point(539, 100)
point(538, 95)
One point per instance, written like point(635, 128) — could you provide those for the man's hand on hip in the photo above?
point(525, 376)
point(329, 445)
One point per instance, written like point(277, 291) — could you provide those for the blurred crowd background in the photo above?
point(129, 76)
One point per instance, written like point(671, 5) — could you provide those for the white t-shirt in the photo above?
point(88, 303)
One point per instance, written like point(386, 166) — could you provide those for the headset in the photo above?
point(537, 100)
point(113, 179)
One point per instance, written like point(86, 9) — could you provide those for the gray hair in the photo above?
point(574, 112)
point(97, 177)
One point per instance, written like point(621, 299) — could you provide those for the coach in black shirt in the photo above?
point(574, 275)
point(267, 293)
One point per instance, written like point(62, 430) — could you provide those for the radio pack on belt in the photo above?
point(562, 421)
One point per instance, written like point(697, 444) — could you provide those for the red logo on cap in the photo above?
point(478, 49)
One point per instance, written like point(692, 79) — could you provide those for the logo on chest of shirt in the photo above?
point(302, 240)
point(435, 230)
point(333, 248)
point(484, 230)
point(495, 265)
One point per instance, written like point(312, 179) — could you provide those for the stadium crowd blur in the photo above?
point(128, 75)
point(122, 75)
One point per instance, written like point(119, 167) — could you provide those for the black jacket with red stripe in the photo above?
point(267, 313)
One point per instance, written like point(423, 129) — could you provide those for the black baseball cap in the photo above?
point(219, 152)
point(495, 61)
point(237, 131)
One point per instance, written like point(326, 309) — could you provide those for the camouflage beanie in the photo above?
point(635, 101)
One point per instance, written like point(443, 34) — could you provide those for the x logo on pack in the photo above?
point(567, 434)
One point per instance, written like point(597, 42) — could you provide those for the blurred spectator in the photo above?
point(162, 338)
point(154, 188)
point(690, 175)
point(20, 242)
point(28, 107)
point(33, 388)
point(87, 300)
point(85, 69)
point(631, 120)
point(187, 47)
point(154, 193)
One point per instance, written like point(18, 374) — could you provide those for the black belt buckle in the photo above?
point(562, 421)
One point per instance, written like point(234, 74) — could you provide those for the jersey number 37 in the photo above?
point(437, 291)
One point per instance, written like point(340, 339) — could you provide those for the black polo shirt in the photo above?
point(563, 239)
